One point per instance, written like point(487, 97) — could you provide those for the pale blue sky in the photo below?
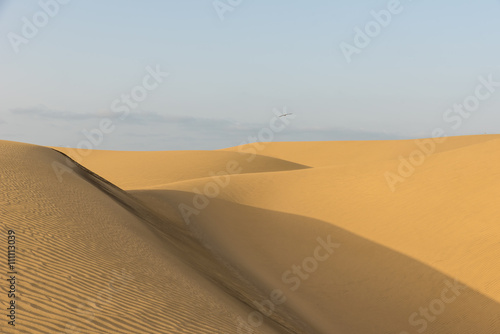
point(226, 76)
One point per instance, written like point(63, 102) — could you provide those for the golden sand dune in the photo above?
point(319, 237)
point(91, 259)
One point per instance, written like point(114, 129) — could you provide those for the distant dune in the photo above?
point(355, 237)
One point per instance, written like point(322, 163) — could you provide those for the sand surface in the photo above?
point(287, 237)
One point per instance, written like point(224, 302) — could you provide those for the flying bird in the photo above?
point(283, 114)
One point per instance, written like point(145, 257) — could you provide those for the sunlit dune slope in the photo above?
point(91, 259)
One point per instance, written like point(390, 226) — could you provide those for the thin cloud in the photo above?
point(42, 112)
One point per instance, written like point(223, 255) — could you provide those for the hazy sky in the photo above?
point(231, 62)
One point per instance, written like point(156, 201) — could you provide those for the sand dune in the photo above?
point(194, 247)
point(92, 260)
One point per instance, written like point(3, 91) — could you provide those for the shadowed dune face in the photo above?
point(444, 215)
point(195, 247)
point(362, 287)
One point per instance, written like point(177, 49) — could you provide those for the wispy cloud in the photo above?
point(43, 112)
